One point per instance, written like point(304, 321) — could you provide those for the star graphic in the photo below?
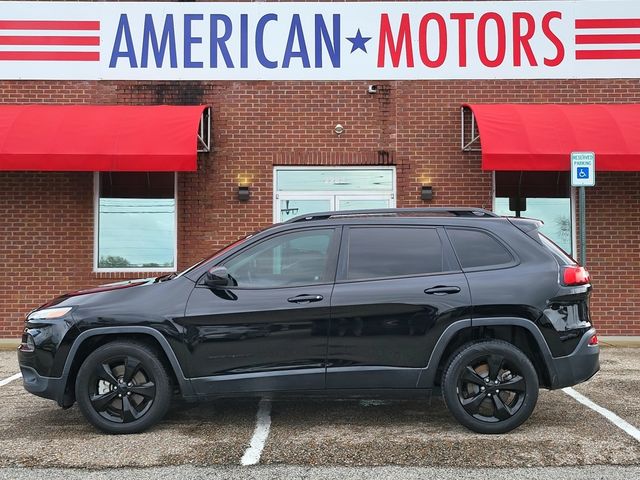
point(358, 42)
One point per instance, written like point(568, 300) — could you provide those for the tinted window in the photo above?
point(300, 258)
point(561, 256)
point(477, 249)
point(391, 252)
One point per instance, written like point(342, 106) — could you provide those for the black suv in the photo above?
point(361, 303)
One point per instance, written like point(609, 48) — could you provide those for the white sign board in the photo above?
point(319, 40)
point(583, 169)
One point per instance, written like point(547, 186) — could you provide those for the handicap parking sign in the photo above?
point(583, 169)
point(583, 172)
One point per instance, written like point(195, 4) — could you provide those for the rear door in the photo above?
point(397, 289)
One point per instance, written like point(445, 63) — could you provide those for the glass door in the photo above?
point(304, 190)
point(290, 206)
point(362, 202)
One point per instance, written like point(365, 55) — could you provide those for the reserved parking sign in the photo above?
point(583, 169)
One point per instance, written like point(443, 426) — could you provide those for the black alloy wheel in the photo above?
point(490, 386)
point(123, 387)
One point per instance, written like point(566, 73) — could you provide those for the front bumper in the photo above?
point(42, 356)
point(577, 367)
point(46, 387)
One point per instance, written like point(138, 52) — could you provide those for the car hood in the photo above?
point(100, 289)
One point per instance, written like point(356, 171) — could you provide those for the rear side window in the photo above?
point(560, 255)
point(478, 249)
point(376, 252)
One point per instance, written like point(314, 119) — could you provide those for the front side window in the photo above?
point(292, 259)
point(378, 252)
point(136, 221)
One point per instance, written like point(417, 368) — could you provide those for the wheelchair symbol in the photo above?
point(583, 172)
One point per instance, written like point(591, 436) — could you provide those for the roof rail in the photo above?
point(396, 212)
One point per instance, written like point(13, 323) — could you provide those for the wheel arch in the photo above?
point(89, 340)
point(520, 332)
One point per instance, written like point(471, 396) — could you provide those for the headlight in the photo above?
point(49, 313)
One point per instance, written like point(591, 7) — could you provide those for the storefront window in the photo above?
point(299, 190)
point(136, 221)
point(544, 196)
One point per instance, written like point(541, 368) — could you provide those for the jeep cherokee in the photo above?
point(401, 302)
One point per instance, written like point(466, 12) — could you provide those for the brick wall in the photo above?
point(46, 219)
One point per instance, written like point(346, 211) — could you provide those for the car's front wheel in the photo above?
point(122, 387)
point(490, 386)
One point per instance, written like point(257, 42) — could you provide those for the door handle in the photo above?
point(442, 290)
point(305, 298)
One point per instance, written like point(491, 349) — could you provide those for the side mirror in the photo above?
point(217, 277)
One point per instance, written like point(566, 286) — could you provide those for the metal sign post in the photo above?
point(583, 174)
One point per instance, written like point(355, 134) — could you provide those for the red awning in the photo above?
point(99, 137)
point(542, 137)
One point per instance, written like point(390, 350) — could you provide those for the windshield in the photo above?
point(218, 253)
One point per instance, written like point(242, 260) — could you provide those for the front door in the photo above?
point(397, 289)
point(269, 330)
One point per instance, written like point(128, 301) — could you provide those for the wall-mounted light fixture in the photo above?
point(338, 129)
point(243, 193)
point(427, 192)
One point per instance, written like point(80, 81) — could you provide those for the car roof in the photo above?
point(455, 212)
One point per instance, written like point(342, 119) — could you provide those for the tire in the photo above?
point(123, 387)
point(475, 399)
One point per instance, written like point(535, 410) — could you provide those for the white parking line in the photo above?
point(10, 379)
point(260, 434)
point(609, 415)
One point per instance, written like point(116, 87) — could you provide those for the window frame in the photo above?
point(450, 262)
point(334, 247)
point(96, 233)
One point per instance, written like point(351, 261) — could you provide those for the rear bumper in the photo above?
point(46, 387)
point(582, 364)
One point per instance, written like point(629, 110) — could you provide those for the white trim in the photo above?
point(96, 226)
point(332, 195)
point(493, 190)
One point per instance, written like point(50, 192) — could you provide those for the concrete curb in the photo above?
point(619, 341)
point(7, 344)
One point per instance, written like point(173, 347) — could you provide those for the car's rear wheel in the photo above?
point(123, 387)
point(490, 386)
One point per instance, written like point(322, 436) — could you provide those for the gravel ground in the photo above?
point(328, 473)
point(8, 364)
point(34, 432)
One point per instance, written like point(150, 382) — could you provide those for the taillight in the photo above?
point(593, 341)
point(575, 275)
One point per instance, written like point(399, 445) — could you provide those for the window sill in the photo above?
point(134, 270)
